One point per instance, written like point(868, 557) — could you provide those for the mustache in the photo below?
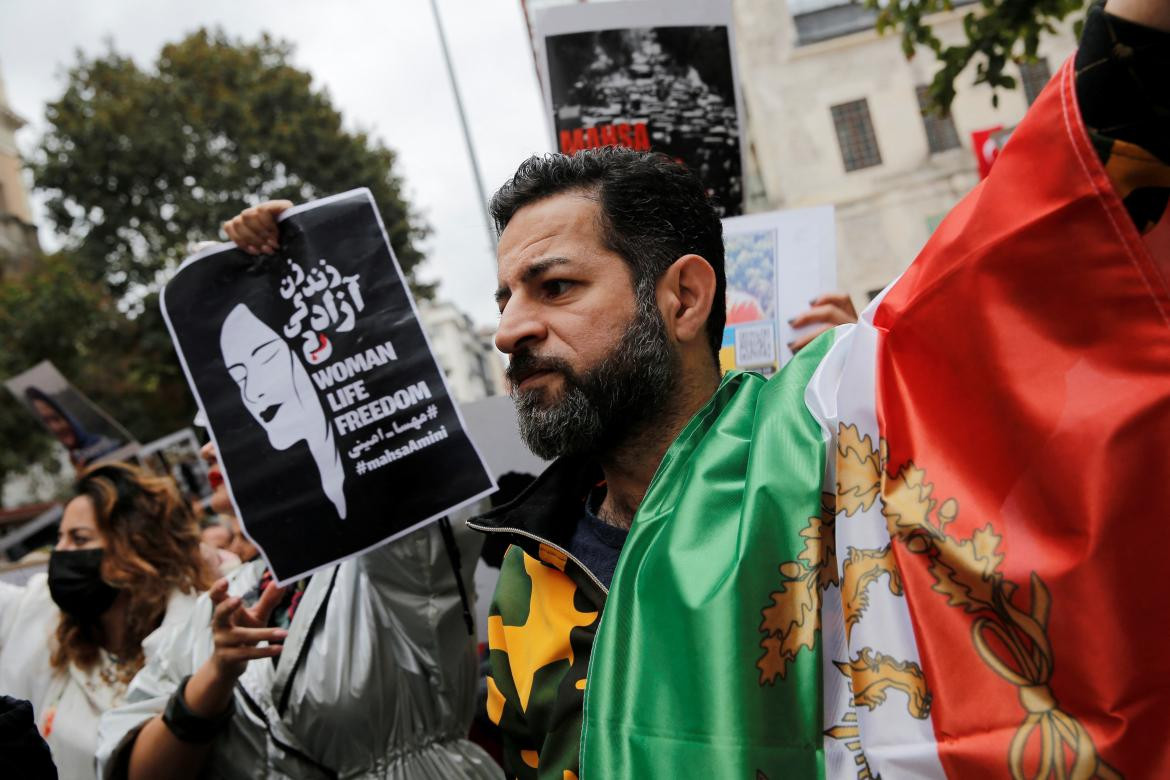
point(525, 363)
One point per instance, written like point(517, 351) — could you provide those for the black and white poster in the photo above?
point(655, 76)
point(332, 419)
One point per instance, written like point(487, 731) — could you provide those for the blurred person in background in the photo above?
point(217, 531)
point(220, 503)
point(218, 535)
point(127, 565)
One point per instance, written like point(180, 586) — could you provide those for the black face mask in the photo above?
point(76, 585)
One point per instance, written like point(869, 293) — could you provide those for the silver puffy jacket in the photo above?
point(376, 680)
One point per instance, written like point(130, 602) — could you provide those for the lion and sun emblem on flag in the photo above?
point(1011, 640)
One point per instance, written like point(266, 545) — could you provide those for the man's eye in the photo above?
point(556, 287)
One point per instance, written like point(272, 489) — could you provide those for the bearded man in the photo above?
point(742, 578)
point(612, 306)
point(911, 553)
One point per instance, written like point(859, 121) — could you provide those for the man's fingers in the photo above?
point(836, 298)
point(824, 313)
point(797, 344)
point(242, 236)
point(254, 229)
point(275, 207)
point(247, 236)
point(262, 609)
point(839, 299)
point(260, 222)
point(229, 228)
point(809, 316)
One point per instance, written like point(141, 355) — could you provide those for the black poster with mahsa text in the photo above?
point(333, 422)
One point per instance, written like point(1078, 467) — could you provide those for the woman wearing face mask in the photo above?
point(127, 564)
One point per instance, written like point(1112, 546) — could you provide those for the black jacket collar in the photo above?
point(542, 519)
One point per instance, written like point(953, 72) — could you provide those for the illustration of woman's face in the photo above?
point(273, 384)
point(56, 424)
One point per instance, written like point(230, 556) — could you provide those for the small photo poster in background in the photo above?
point(776, 263)
point(177, 456)
point(655, 76)
point(82, 427)
point(332, 419)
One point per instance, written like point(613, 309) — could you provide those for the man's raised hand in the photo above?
point(826, 311)
point(254, 229)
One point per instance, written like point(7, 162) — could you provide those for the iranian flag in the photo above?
point(932, 546)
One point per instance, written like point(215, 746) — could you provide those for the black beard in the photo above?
point(599, 409)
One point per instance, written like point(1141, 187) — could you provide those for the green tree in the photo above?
point(126, 366)
point(997, 32)
point(139, 163)
point(48, 313)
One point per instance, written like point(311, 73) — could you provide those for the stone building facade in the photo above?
point(473, 368)
point(835, 117)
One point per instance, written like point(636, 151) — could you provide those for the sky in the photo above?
point(381, 64)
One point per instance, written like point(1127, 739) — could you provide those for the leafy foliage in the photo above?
point(140, 163)
point(997, 32)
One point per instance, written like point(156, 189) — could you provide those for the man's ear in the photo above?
point(685, 296)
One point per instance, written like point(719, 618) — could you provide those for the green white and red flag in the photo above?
point(932, 545)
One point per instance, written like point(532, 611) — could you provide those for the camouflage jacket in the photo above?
point(541, 625)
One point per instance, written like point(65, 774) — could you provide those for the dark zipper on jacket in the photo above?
point(490, 530)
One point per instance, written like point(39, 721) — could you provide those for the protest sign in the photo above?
point(332, 420)
point(776, 262)
point(657, 76)
point(81, 426)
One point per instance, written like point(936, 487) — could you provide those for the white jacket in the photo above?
point(67, 705)
point(377, 677)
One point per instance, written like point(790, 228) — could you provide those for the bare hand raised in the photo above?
point(254, 229)
point(826, 311)
point(238, 630)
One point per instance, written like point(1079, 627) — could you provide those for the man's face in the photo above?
point(590, 359)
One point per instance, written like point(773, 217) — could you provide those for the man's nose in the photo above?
point(521, 324)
